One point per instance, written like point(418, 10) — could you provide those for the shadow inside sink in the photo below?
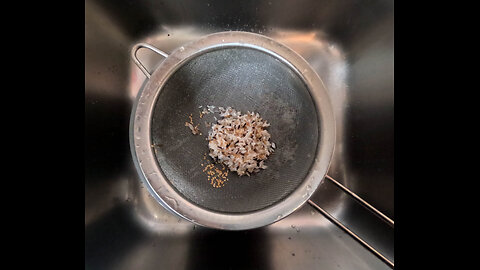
point(111, 237)
point(213, 249)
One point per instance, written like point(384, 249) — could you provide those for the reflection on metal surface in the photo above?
point(308, 240)
point(339, 224)
point(105, 64)
point(366, 204)
point(102, 197)
point(151, 216)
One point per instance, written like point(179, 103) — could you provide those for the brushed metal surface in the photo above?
point(348, 43)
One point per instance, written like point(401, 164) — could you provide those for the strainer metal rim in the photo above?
point(161, 189)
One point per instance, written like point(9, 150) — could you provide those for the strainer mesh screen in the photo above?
point(245, 79)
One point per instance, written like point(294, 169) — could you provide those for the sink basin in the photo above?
point(348, 43)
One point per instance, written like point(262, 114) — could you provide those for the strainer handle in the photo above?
point(138, 63)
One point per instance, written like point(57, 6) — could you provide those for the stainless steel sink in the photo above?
point(348, 43)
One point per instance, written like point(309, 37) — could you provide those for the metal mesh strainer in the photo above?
point(245, 79)
point(247, 72)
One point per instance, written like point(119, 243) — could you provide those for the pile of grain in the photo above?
point(216, 176)
point(240, 141)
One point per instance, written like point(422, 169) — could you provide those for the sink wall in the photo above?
point(348, 43)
